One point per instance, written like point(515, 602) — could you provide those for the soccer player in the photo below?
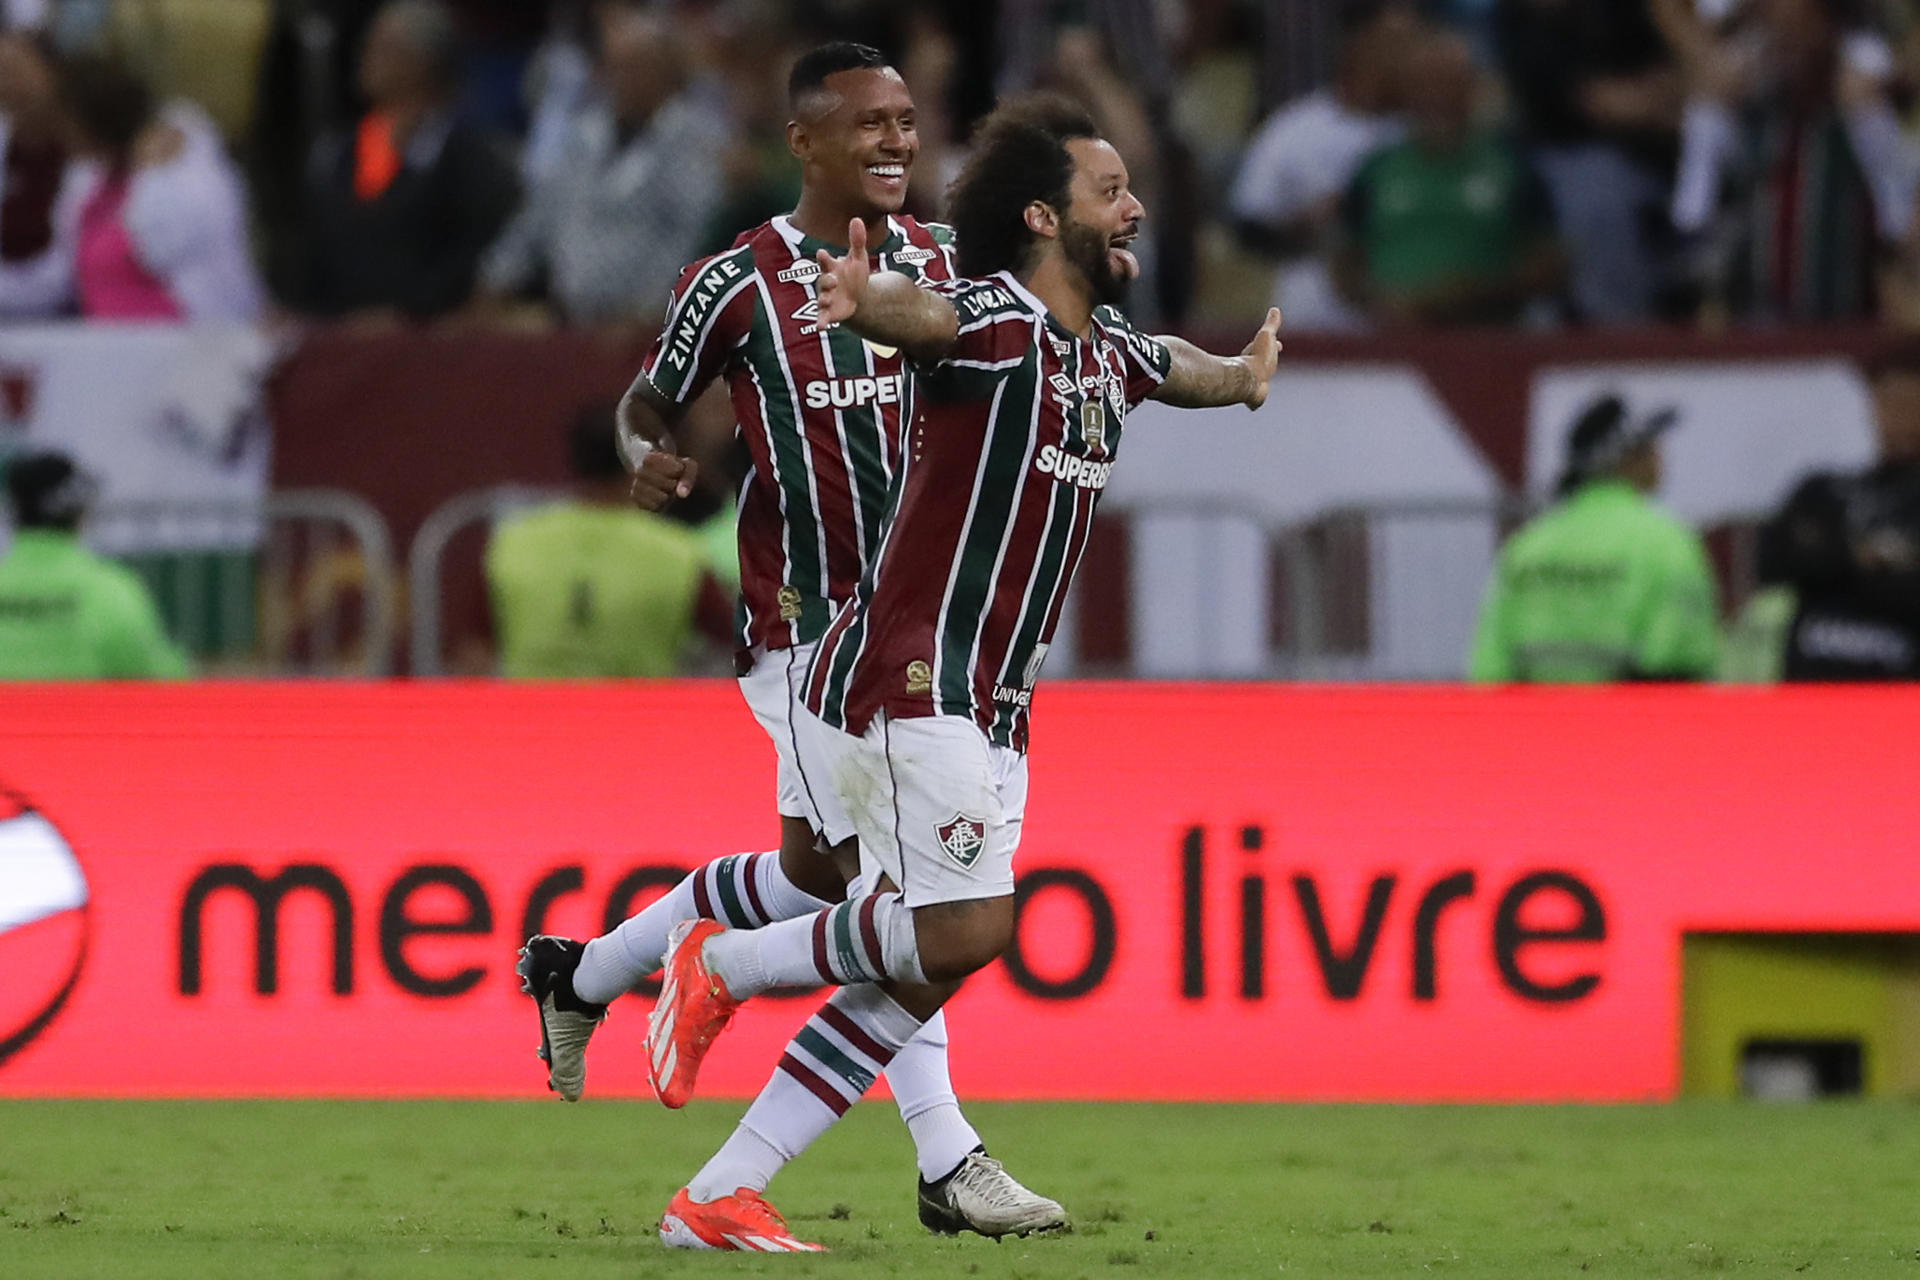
point(1023, 374)
point(821, 412)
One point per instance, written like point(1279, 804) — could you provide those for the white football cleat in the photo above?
point(566, 1021)
point(981, 1196)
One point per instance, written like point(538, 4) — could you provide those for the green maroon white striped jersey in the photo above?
point(1014, 436)
point(821, 414)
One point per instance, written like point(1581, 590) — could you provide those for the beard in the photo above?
point(1089, 250)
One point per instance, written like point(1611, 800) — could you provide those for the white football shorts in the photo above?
point(804, 780)
point(937, 805)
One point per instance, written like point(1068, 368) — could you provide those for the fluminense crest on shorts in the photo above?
point(788, 598)
point(962, 839)
point(919, 677)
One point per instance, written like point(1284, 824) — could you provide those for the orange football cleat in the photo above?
point(693, 1009)
point(741, 1221)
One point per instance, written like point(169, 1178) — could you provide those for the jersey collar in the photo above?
point(802, 245)
point(1033, 303)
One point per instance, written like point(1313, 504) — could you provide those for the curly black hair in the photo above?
point(1018, 155)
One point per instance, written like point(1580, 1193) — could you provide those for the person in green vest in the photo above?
point(1603, 585)
point(589, 587)
point(66, 613)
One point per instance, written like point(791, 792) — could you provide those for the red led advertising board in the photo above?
point(1229, 892)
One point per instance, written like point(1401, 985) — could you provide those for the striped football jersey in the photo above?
point(1013, 439)
point(821, 413)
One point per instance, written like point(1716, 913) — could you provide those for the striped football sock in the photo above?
point(742, 891)
point(834, 1059)
point(864, 939)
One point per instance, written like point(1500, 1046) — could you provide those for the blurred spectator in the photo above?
point(759, 177)
point(1793, 166)
point(1598, 98)
point(609, 231)
point(1078, 52)
point(560, 85)
point(398, 214)
point(1604, 585)
point(498, 40)
point(1847, 549)
point(36, 261)
point(591, 587)
point(160, 212)
point(65, 613)
point(1286, 199)
point(1451, 226)
point(306, 91)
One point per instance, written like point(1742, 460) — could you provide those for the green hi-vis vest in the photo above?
point(67, 614)
point(583, 591)
point(1603, 586)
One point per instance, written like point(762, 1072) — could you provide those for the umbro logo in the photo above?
point(809, 316)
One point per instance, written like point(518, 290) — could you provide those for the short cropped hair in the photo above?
point(1018, 155)
point(809, 74)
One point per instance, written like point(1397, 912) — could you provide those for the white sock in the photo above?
point(861, 940)
point(742, 891)
point(923, 1087)
point(833, 1060)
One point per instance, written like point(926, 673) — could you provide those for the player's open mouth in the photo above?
point(1121, 259)
point(891, 174)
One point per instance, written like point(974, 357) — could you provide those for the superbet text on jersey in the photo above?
point(1013, 440)
point(822, 414)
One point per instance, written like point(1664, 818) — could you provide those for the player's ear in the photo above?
point(1042, 220)
point(798, 140)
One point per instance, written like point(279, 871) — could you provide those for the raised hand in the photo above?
point(841, 286)
point(1262, 357)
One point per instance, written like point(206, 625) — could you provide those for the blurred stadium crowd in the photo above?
point(1371, 166)
point(1607, 161)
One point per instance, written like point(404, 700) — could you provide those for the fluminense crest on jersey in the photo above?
point(962, 839)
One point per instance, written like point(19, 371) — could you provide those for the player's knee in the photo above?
point(959, 938)
point(805, 866)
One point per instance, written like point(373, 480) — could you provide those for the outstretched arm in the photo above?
point(1198, 380)
point(892, 309)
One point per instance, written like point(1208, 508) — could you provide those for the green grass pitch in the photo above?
point(537, 1188)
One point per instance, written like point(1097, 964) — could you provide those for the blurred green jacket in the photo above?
point(1603, 586)
point(68, 614)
